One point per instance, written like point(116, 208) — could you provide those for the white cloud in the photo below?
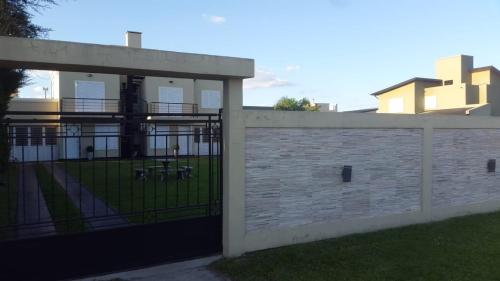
point(38, 89)
point(39, 74)
point(264, 79)
point(215, 19)
point(292, 67)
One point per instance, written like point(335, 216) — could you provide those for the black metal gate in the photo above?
point(84, 194)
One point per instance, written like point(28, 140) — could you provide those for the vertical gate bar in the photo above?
point(189, 141)
point(38, 186)
point(80, 176)
point(106, 173)
point(132, 184)
point(144, 186)
point(51, 168)
point(167, 166)
point(210, 165)
point(154, 182)
point(119, 170)
point(23, 180)
point(177, 170)
point(66, 177)
point(93, 179)
point(200, 139)
point(52, 177)
point(9, 166)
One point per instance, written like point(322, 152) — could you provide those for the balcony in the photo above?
point(89, 105)
point(161, 107)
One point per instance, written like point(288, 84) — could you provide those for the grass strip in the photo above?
point(466, 248)
point(66, 217)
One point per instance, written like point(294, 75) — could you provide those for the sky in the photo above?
point(335, 51)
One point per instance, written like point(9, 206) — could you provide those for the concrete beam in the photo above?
point(81, 57)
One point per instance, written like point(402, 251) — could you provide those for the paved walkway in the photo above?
point(193, 270)
point(95, 211)
point(33, 215)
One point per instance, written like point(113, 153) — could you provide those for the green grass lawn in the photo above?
point(65, 215)
point(8, 202)
point(115, 182)
point(466, 248)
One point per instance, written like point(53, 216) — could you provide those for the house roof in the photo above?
point(484, 68)
point(416, 79)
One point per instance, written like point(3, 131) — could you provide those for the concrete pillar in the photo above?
point(233, 218)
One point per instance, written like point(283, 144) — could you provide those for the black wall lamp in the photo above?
point(492, 164)
point(346, 173)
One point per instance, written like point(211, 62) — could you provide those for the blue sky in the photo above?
point(336, 51)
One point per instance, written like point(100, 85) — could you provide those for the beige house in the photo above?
point(458, 88)
point(111, 93)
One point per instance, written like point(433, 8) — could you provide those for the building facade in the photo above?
point(127, 95)
point(459, 88)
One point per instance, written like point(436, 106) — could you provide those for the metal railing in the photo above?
point(89, 105)
point(162, 107)
point(78, 170)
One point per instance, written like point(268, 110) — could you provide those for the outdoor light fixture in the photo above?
point(346, 173)
point(492, 163)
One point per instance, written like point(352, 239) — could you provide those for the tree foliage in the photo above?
point(292, 104)
point(16, 21)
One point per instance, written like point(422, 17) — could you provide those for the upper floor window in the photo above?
point(430, 102)
point(171, 99)
point(448, 82)
point(396, 105)
point(210, 99)
point(89, 96)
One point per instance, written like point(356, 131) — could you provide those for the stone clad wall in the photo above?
point(293, 175)
point(460, 175)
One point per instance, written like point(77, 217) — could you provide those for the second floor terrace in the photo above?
point(163, 107)
point(90, 105)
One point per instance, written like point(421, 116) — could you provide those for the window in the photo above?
point(430, 102)
point(50, 136)
point(11, 135)
point(396, 105)
point(21, 136)
point(448, 82)
point(197, 135)
point(158, 137)
point(108, 141)
point(216, 132)
point(210, 99)
point(171, 99)
point(89, 96)
point(36, 136)
point(206, 135)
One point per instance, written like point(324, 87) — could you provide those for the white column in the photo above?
point(233, 229)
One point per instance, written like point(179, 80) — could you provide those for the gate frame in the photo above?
point(79, 57)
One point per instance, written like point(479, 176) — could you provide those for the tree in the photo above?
point(292, 104)
point(15, 20)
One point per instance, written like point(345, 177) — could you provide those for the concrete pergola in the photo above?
point(81, 57)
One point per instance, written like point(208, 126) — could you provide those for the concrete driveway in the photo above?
point(193, 270)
